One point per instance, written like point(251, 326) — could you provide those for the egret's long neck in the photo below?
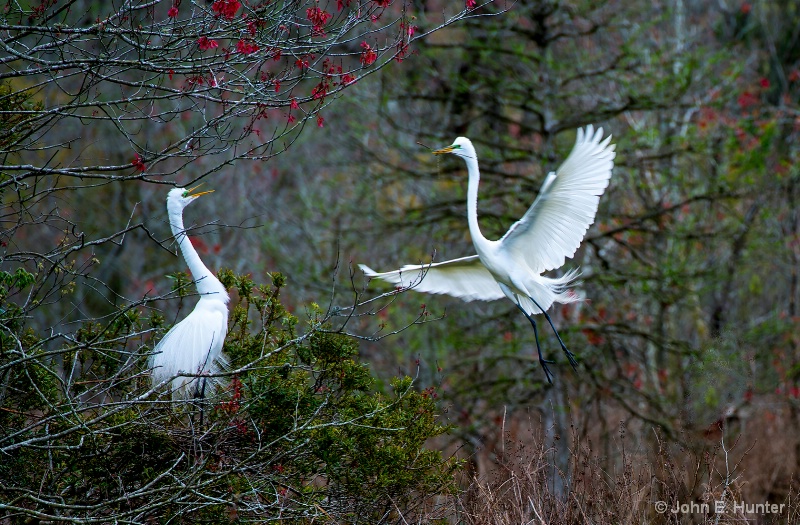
point(472, 200)
point(207, 282)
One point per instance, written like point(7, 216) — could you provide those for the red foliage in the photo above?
point(383, 3)
point(706, 117)
point(246, 47)
point(232, 406)
point(303, 62)
point(320, 121)
point(204, 43)
point(592, 337)
point(320, 90)
point(402, 51)
point(138, 163)
point(470, 4)
point(39, 10)
point(746, 100)
point(318, 19)
point(368, 56)
point(226, 8)
point(347, 78)
point(409, 30)
point(199, 244)
point(173, 12)
point(429, 392)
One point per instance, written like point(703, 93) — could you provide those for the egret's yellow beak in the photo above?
point(448, 149)
point(190, 190)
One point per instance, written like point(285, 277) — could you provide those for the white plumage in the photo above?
point(194, 345)
point(549, 232)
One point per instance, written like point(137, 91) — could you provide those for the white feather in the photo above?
point(554, 226)
point(549, 232)
point(466, 278)
point(193, 346)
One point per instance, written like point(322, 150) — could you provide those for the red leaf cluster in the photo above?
point(320, 90)
point(746, 100)
point(368, 56)
point(304, 61)
point(226, 8)
point(246, 47)
point(318, 19)
point(205, 43)
point(138, 163)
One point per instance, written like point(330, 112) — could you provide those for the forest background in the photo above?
point(349, 402)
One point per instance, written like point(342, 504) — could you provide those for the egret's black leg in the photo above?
point(570, 355)
point(542, 360)
point(200, 393)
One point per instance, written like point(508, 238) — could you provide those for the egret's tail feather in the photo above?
point(544, 291)
point(561, 287)
point(187, 386)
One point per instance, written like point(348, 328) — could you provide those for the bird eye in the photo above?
point(456, 146)
point(185, 194)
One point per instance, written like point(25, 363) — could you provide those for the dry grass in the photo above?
point(707, 483)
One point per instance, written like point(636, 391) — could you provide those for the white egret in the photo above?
point(193, 345)
point(551, 230)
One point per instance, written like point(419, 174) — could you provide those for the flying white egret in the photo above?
point(551, 230)
point(193, 345)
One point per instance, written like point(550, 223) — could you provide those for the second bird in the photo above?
point(550, 231)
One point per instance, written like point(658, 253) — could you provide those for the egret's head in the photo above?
point(461, 147)
point(179, 198)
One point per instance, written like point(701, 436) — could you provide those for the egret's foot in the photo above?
point(547, 373)
point(571, 358)
point(570, 355)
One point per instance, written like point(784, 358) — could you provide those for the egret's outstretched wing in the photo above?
point(466, 278)
point(555, 224)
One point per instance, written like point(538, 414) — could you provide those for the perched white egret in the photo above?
point(193, 345)
point(551, 230)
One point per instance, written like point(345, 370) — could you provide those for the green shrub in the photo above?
point(297, 432)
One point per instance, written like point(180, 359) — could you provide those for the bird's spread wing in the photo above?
point(466, 278)
point(555, 224)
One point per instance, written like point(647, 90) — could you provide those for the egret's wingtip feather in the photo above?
point(367, 270)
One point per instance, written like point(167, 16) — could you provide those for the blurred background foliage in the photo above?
point(688, 331)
